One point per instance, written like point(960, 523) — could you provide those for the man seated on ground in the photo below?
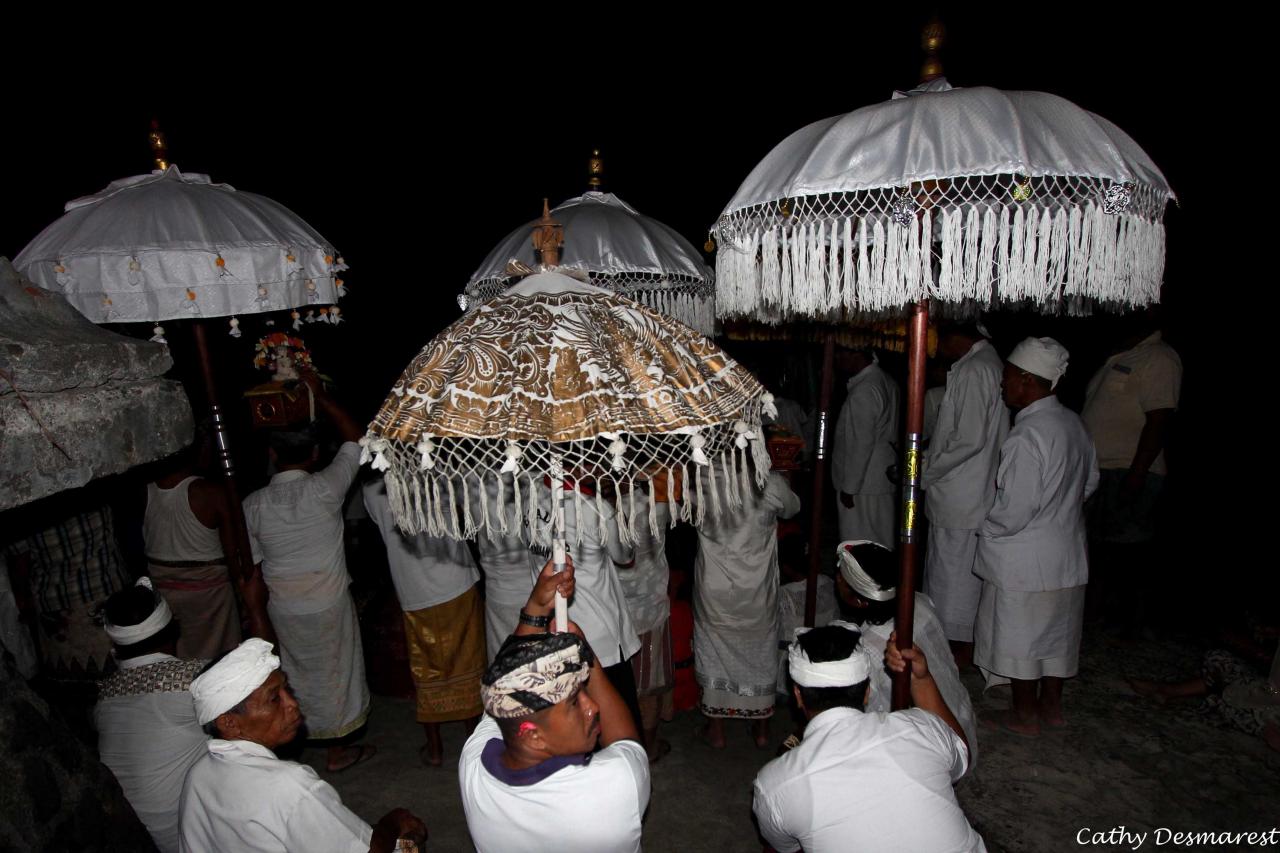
point(240, 797)
point(147, 729)
point(864, 781)
point(868, 598)
point(529, 777)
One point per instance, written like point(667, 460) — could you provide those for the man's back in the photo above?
point(591, 806)
point(867, 782)
point(239, 796)
point(865, 431)
point(148, 736)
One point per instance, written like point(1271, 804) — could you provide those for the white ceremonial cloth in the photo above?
point(171, 530)
point(791, 616)
point(241, 797)
point(504, 560)
point(296, 530)
point(868, 424)
point(324, 658)
point(1028, 635)
point(861, 781)
point(964, 450)
point(735, 592)
point(150, 741)
point(1139, 380)
point(598, 605)
point(425, 570)
point(644, 585)
point(950, 581)
point(1033, 538)
point(598, 804)
point(928, 635)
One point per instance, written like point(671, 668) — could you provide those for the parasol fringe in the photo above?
point(863, 280)
point(700, 506)
point(972, 233)
point(986, 257)
point(453, 509)
point(532, 521)
point(1055, 269)
point(602, 515)
point(833, 268)
point(772, 249)
point(1004, 242)
point(438, 526)
point(519, 507)
point(671, 496)
point(468, 523)
point(848, 279)
point(1013, 277)
point(483, 493)
point(653, 511)
point(714, 476)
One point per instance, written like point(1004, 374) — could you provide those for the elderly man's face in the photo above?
point(571, 727)
point(271, 716)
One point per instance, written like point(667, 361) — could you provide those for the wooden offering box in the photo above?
point(279, 404)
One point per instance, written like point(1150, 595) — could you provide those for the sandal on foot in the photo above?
point(363, 753)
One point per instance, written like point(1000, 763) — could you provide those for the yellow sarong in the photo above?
point(447, 657)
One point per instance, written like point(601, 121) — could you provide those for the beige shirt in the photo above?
point(1132, 383)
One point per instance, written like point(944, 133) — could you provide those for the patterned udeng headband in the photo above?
point(533, 673)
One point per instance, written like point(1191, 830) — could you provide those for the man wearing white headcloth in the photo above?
point(862, 451)
point(860, 780)
point(240, 797)
point(531, 776)
point(1032, 555)
point(866, 591)
point(959, 478)
point(147, 729)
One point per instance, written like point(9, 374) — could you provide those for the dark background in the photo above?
point(416, 144)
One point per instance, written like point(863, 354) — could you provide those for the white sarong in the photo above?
point(1029, 635)
point(950, 581)
point(322, 655)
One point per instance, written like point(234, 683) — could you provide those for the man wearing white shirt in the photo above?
point(435, 579)
point(146, 722)
point(959, 479)
point(864, 781)
point(240, 797)
point(530, 779)
point(504, 559)
point(862, 452)
point(1032, 554)
point(296, 532)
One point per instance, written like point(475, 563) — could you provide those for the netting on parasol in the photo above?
point(1011, 197)
point(620, 250)
point(559, 378)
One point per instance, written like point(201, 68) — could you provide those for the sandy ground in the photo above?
point(1124, 761)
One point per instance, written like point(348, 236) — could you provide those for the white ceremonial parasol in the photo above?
point(560, 378)
point(959, 198)
point(620, 250)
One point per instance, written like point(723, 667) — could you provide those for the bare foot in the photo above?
point(1009, 721)
point(343, 758)
point(712, 735)
point(760, 733)
point(1143, 687)
point(660, 748)
point(431, 754)
point(1052, 719)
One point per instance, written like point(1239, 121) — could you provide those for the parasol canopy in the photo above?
point(1033, 200)
point(620, 250)
point(559, 376)
point(169, 245)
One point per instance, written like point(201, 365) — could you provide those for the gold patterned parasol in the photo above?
point(559, 377)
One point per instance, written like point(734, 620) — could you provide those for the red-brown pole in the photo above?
point(819, 481)
point(917, 340)
point(239, 564)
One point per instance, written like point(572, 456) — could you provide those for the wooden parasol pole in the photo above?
point(819, 490)
point(917, 342)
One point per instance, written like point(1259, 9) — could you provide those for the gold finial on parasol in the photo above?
point(158, 146)
point(595, 172)
point(548, 237)
point(932, 39)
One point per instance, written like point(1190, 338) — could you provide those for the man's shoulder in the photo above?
point(169, 676)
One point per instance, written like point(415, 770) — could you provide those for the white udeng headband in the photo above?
point(835, 673)
point(229, 681)
point(125, 635)
point(855, 576)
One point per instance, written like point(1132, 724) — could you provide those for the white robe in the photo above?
point(296, 530)
point(149, 737)
point(862, 781)
point(504, 559)
point(927, 634)
point(241, 797)
point(598, 605)
point(862, 453)
point(1033, 542)
point(645, 584)
point(736, 598)
point(959, 481)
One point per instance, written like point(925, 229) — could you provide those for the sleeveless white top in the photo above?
point(171, 530)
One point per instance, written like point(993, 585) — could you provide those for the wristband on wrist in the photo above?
point(534, 621)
